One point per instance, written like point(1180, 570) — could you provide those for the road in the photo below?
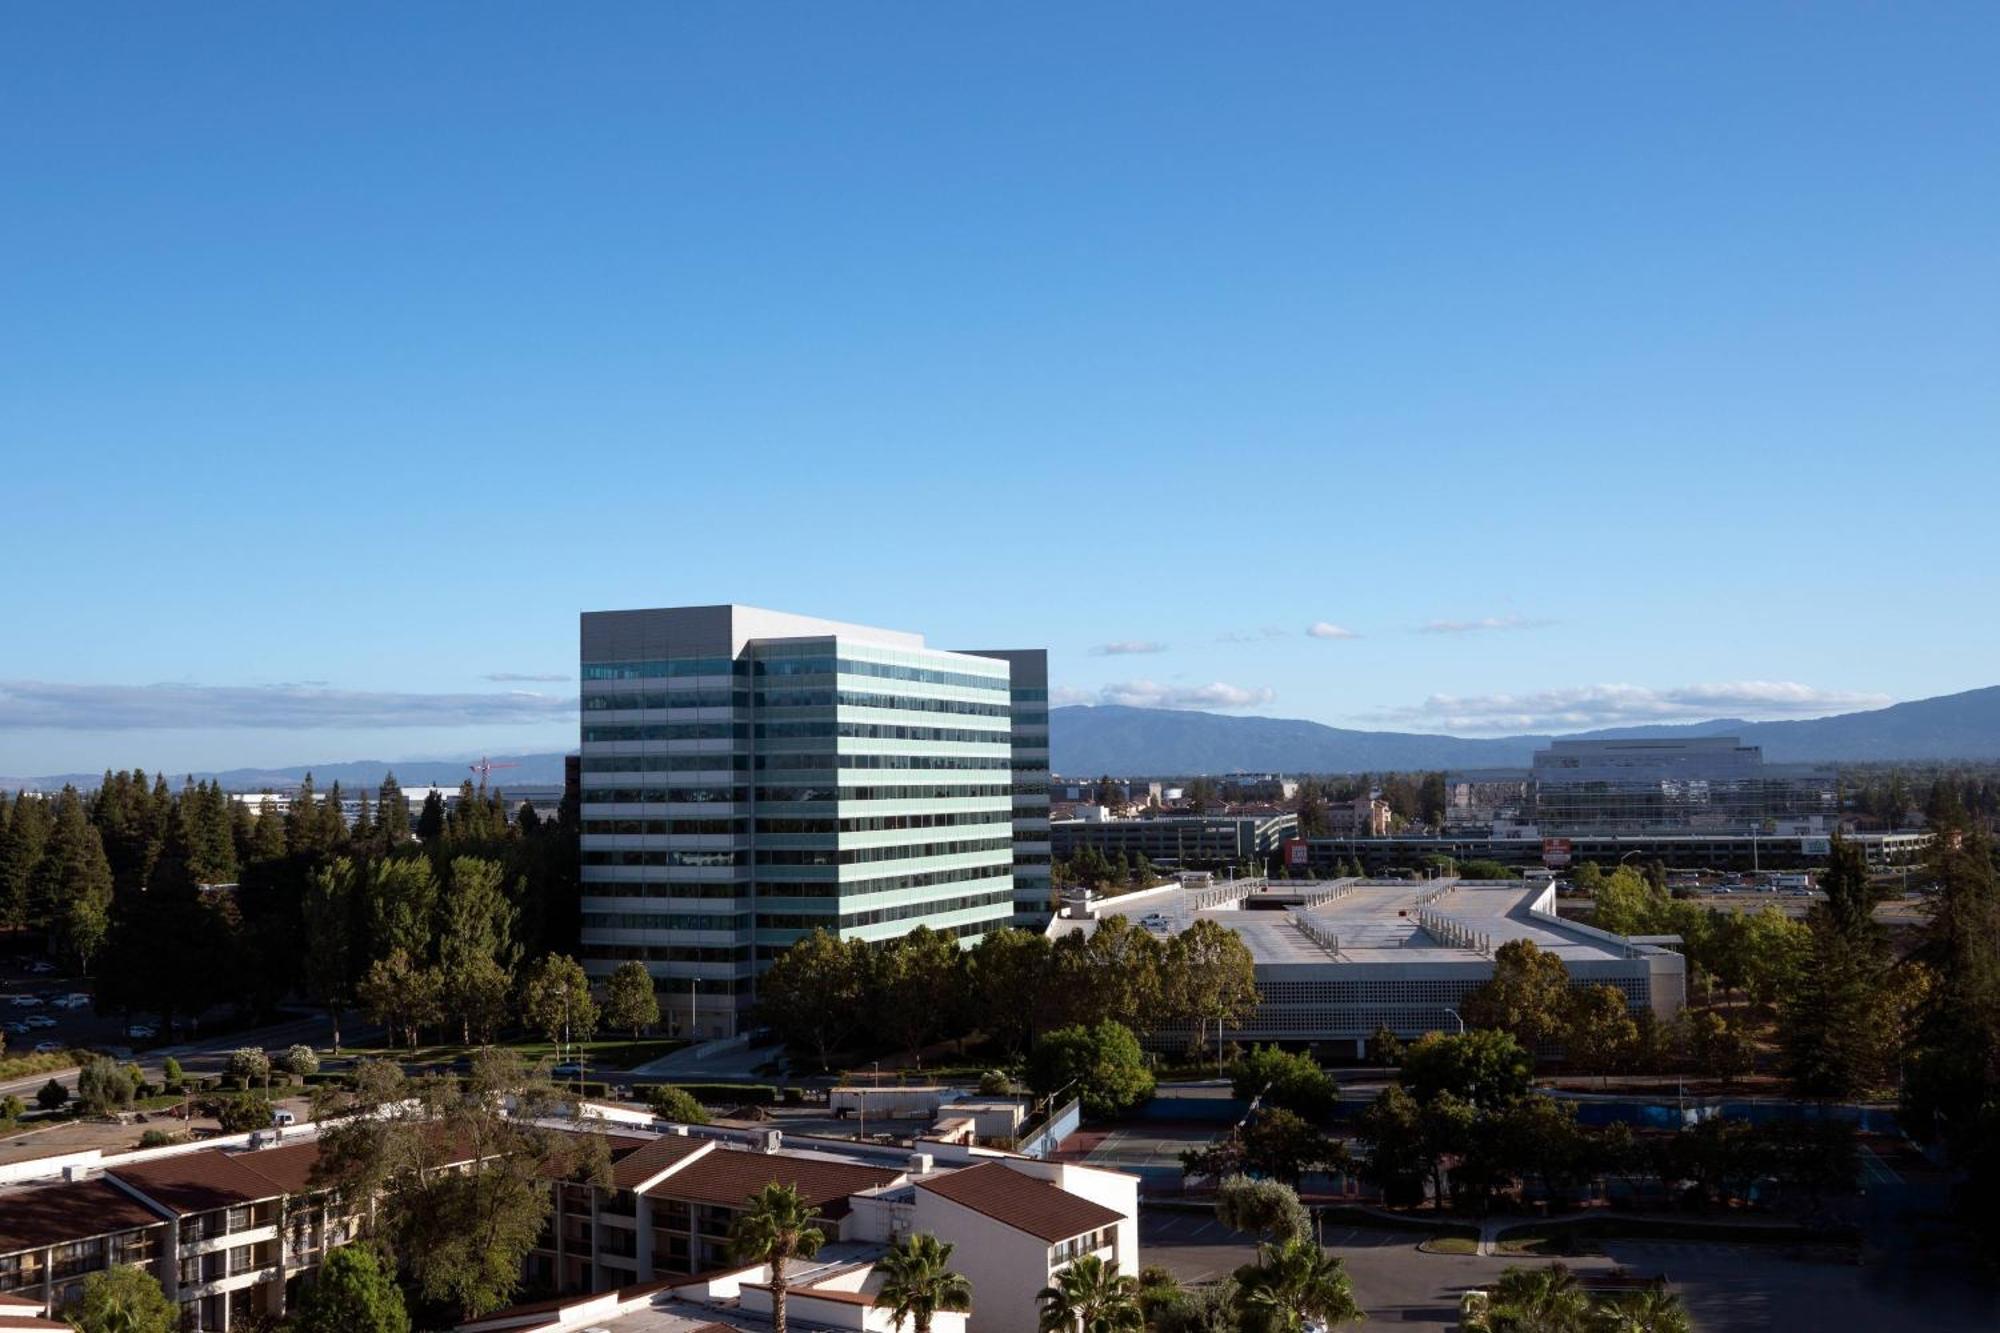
point(1727, 1288)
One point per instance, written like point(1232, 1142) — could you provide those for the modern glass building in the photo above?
point(749, 775)
point(1034, 890)
point(1693, 783)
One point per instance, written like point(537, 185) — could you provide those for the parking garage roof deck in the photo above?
point(1375, 921)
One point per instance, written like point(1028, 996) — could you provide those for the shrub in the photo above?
point(795, 1096)
point(170, 1073)
point(249, 1064)
point(52, 1095)
point(302, 1060)
point(994, 1083)
point(12, 1107)
point(239, 1115)
point(731, 1094)
point(1266, 1209)
point(676, 1104)
point(160, 1138)
point(103, 1087)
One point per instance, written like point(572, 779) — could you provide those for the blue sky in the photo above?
point(1565, 364)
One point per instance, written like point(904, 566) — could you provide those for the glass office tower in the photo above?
point(749, 775)
point(1034, 895)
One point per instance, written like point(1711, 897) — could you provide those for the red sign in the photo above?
point(1297, 852)
point(1555, 852)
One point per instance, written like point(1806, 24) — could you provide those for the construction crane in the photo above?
point(484, 768)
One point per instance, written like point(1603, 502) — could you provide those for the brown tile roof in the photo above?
point(729, 1176)
point(1021, 1201)
point(640, 1165)
point(198, 1182)
point(288, 1167)
point(74, 1210)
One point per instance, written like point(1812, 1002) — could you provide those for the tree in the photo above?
point(12, 1108)
point(1267, 1209)
point(1293, 1286)
point(917, 1282)
point(352, 1292)
point(1103, 1064)
point(250, 1065)
point(1486, 1068)
point(73, 883)
point(1531, 1300)
point(815, 992)
point(461, 1184)
point(919, 987)
point(675, 1104)
point(1654, 1310)
point(776, 1228)
point(1626, 903)
point(556, 1000)
point(1285, 1079)
point(1408, 1142)
point(1600, 1035)
point(400, 995)
point(51, 1095)
point(327, 952)
point(302, 1060)
point(102, 1086)
point(629, 999)
point(123, 1299)
point(240, 1115)
point(1008, 972)
point(1717, 1047)
point(1090, 1296)
point(401, 907)
point(475, 942)
point(1207, 972)
point(1527, 996)
point(1840, 1020)
point(430, 819)
point(1281, 1145)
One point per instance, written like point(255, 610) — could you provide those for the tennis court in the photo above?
point(1152, 1152)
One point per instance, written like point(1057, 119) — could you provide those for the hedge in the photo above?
point(730, 1094)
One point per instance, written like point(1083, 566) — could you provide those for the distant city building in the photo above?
point(1698, 782)
point(1178, 839)
point(1028, 672)
point(749, 776)
point(1363, 817)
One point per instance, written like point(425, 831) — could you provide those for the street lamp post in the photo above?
point(1456, 1019)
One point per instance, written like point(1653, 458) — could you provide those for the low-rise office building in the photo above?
point(1206, 840)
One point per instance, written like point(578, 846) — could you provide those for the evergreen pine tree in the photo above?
point(393, 812)
point(430, 820)
point(21, 851)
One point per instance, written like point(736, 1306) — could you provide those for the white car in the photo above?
point(27, 1001)
point(41, 968)
point(47, 1047)
point(40, 1021)
point(139, 1032)
point(74, 1001)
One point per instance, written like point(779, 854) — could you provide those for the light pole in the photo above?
point(694, 987)
point(1456, 1019)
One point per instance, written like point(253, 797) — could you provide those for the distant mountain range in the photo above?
point(1136, 742)
point(1085, 740)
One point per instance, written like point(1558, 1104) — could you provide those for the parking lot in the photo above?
point(1753, 1288)
point(43, 1005)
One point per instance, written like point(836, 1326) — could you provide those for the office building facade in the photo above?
point(748, 776)
point(1690, 783)
point(1034, 892)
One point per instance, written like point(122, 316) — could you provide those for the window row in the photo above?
point(899, 912)
point(847, 856)
point(679, 795)
point(669, 731)
point(597, 703)
point(668, 827)
point(883, 823)
point(665, 763)
point(810, 762)
point(666, 921)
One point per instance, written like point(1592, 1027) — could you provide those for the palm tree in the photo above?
point(1295, 1283)
point(775, 1228)
point(916, 1283)
point(1654, 1310)
point(1531, 1300)
point(1091, 1296)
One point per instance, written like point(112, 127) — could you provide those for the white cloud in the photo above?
point(28, 704)
point(1326, 629)
point(1152, 694)
point(1481, 625)
point(1127, 648)
point(1586, 707)
point(1264, 635)
point(534, 677)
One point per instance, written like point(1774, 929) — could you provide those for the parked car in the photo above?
point(47, 1047)
point(16, 1028)
point(27, 1001)
point(40, 1021)
point(74, 1000)
point(41, 967)
point(141, 1031)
